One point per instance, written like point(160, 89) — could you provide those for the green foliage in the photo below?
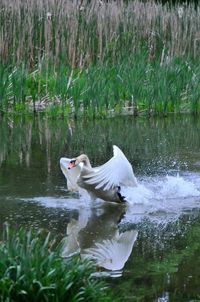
point(32, 269)
point(99, 59)
point(135, 85)
point(87, 32)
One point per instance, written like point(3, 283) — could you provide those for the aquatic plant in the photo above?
point(97, 58)
point(133, 86)
point(31, 269)
point(82, 32)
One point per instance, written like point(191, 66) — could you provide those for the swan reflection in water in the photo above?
point(96, 235)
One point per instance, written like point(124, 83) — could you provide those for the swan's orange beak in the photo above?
point(71, 164)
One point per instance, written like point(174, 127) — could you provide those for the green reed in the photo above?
point(31, 269)
point(134, 85)
point(79, 33)
point(98, 58)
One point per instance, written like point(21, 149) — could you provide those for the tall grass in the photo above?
point(133, 86)
point(78, 33)
point(31, 269)
point(99, 57)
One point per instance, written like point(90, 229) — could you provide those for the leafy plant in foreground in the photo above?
point(32, 269)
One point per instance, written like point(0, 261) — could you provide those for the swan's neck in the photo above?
point(85, 160)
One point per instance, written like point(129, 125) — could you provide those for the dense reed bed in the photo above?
point(130, 87)
point(82, 32)
point(99, 57)
point(31, 269)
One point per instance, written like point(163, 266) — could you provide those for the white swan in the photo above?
point(103, 182)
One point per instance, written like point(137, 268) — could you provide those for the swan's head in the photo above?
point(80, 160)
point(70, 175)
point(73, 163)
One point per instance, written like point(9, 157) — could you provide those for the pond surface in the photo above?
point(149, 248)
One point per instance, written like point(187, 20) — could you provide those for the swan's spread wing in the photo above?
point(71, 175)
point(117, 171)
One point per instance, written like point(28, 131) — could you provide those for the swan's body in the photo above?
point(101, 182)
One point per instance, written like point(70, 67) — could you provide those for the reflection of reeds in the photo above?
point(23, 140)
point(137, 137)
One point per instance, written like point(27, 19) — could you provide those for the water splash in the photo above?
point(169, 187)
point(159, 199)
point(176, 187)
point(138, 195)
point(164, 199)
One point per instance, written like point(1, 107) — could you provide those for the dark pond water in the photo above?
point(150, 248)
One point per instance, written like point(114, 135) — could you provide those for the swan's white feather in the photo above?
point(70, 174)
point(104, 182)
point(116, 172)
